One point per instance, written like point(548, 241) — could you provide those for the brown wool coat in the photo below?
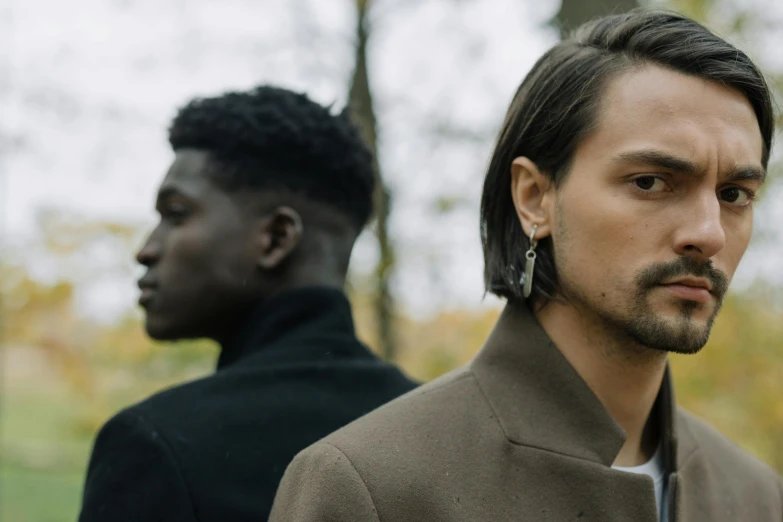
point(517, 435)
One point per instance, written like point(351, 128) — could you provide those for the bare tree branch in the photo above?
point(363, 111)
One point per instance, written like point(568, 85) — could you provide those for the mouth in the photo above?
point(690, 289)
point(146, 296)
point(148, 291)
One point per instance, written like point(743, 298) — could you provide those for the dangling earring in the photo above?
point(530, 263)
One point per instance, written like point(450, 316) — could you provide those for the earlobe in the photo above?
point(531, 192)
point(281, 233)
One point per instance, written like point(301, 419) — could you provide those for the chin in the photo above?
point(678, 332)
point(677, 326)
point(699, 317)
point(160, 331)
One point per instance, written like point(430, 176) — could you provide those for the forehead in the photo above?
point(188, 173)
point(654, 107)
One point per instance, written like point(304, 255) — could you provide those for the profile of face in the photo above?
point(207, 256)
point(656, 211)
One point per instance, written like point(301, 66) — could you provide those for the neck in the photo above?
point(306, 277)
point(624, 376)
point(324, 307)
point(321, 261)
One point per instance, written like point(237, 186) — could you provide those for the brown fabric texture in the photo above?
point(517, 435)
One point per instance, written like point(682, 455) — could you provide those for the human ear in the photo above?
point(281, 232)
point(532, 194)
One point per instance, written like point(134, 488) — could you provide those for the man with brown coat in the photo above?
point(616, 208)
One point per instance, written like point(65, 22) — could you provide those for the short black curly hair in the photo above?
point(270, 138)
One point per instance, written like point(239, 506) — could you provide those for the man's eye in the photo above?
point(650, 183)
point(175, 211)
point(736, 196)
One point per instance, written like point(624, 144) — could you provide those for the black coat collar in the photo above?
point(303, 324)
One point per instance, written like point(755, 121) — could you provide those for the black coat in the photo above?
point(215, 449)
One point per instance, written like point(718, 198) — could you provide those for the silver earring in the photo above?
point(530, 263)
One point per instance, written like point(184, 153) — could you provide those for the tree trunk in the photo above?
point(574, 13)
point(363, 112)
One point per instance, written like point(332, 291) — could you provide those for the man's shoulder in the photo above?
point(721, 452)
point(244, 396)
point(440, 410)
point(201, 406)
point(411, 441)
point(160, 415)
point(175, 401)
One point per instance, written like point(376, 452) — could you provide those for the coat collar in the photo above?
point(541, 401)
point(302, 324)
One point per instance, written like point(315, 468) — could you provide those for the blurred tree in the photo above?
point(360, 101)
point(43, 315)
point(697, 9)
point(574, 13)
point(736, 382)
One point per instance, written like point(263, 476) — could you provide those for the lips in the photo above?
point(146, 296)
point(692, 281)
point(148, 291)
point(687, 292)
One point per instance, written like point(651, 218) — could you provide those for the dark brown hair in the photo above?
point(555, 107)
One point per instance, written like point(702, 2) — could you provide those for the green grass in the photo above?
point(43, 457)
point(28, 495)
point(46, 433)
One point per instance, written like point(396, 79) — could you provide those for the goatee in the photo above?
point(681, 334)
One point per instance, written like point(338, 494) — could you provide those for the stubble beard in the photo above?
point(646, 327)
point(678, 334)
point(639, 322)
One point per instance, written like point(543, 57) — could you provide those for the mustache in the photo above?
point(684, 266)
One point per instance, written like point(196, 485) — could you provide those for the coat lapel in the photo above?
point(539, 398)
point(542, 402)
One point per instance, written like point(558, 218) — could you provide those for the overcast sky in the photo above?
point(90, 92)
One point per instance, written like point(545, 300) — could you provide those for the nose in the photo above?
point(701, 232)
point(150, 252)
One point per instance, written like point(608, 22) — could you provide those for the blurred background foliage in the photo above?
point(64, 373)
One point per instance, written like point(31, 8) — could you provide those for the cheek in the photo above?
point(738, 237)
point(188, 246)
point(199, 254)
point(227, 256)
point(600, 243)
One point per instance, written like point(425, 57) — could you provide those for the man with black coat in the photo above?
point(259, 213)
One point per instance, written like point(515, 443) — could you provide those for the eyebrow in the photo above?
point(166, 192)
point(667, 161)
point(747, 173)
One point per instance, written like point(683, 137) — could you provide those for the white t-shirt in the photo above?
point(655, 468)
